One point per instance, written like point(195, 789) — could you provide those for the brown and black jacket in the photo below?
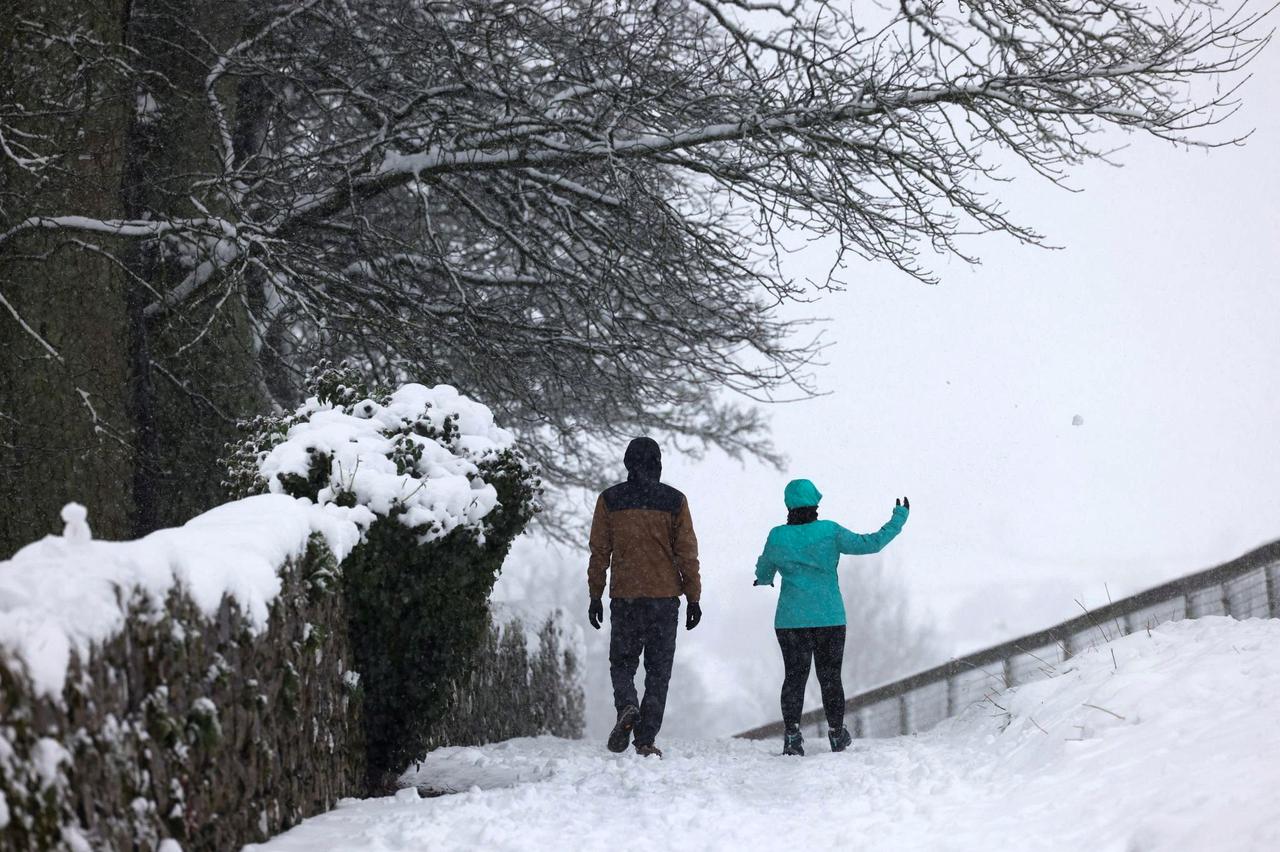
point(642, 534)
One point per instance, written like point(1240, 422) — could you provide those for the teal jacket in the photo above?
point(806, 555)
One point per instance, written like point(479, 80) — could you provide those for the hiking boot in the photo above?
point(620, 736)
point(793, 741)
point(840, 738)
point(649, 750)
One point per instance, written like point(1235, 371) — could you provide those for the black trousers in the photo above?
point(643, 626)
point(800, 647)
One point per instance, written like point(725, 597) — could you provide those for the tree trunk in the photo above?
point(185, 425)
point(64, 428)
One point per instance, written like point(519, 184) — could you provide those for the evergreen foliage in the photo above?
point(418, 609)
point(513, 688)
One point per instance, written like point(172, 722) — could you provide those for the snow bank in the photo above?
point(1170, 746)
point(64, 593)
point(460, 768)
point(418, 452)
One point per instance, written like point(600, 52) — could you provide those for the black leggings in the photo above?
point(824, 646)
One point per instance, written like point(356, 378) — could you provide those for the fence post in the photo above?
point(1007, 665)
point(1226, 600)
point(858, 731)
point(1273, 593)
point(904, 720)
point(951, 696)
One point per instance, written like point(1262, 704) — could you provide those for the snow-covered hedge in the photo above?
point(423, 456)
point(526, 679)
point(194, 686)
point(439, 493)
point(210, 685)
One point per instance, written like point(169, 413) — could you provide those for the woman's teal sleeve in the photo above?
point(862, 543)
point(765, 567)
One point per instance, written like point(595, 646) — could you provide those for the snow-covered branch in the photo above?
point(575, 209)
point(138, 228)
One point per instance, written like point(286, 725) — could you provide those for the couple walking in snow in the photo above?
point(642, 541)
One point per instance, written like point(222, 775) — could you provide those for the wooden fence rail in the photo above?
point(1246, 587)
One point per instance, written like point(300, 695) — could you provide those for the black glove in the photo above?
point(758, 583)
point(904, 503)
point(595, 613)
point(692, 615)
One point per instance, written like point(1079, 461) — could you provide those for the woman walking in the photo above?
point(810, 620)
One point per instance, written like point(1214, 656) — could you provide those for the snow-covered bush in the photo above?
point(439, 492)
point(429, 457)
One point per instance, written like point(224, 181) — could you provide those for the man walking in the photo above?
point(643, 532)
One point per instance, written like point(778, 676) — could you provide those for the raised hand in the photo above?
point(904, 503)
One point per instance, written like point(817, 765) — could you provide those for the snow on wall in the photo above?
point(65, 593)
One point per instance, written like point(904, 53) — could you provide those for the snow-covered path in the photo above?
point(1180, 750)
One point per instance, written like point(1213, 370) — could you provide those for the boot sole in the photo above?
point(620, 736)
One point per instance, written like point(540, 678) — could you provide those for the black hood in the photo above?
point(643, 460)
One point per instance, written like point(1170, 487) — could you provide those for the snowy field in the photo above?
point(1170, 745)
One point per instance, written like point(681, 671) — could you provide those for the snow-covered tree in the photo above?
point(571, 209)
